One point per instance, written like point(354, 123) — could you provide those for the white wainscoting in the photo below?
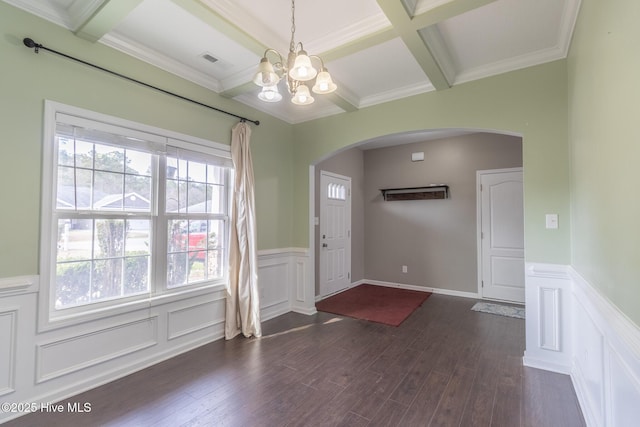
point(573, 329)
point(548, 317)
point(283, 278)
point(51, 365)
point(606, 358)
point(8, 325)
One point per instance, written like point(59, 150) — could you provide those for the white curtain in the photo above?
point(243, 300)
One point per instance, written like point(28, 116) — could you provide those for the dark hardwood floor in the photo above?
point(444, 366)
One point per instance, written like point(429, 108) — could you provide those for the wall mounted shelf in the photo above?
point(429, 192)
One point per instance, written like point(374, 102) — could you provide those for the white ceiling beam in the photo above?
point(105, 18)
point(215, 20)
point(340, 101)
point(402, 23)
point(360, 44)
point(446, 11)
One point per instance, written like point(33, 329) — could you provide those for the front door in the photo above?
point(502, 235)
point(335, 233)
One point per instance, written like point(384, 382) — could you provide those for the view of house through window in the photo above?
point(131, 220)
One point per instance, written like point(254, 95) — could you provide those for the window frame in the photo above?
point(163, 141)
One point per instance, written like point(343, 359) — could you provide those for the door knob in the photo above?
point(324, 245)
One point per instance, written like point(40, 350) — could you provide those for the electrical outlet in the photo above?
point(404, 268)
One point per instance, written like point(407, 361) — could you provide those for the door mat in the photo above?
point(381, 304)
point(499, 309)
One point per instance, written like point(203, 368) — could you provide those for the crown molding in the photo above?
point(355, 31)
point(567, 25)
point(394, 94)
point(150, 56)
point(511, 64)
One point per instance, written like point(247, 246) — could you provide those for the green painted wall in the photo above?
point(27, 79)
point(530, 102)
point(604, 135)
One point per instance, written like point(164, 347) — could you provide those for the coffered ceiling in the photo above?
point(376, 50)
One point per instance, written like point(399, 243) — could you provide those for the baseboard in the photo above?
point(442, 291)
point(306, 311)
point(532, 362)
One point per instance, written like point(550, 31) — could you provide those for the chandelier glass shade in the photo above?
point(298, 71)
point(270, 94)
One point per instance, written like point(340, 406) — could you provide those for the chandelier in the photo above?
point(298, 72)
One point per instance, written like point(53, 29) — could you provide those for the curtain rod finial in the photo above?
point(28, 42)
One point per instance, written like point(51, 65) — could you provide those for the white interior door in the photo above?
point(502, 235)
point(335, 233)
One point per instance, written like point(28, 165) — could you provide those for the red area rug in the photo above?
point(380, 304)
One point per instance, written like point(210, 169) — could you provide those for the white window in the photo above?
point(196, 211)
point(130, 212)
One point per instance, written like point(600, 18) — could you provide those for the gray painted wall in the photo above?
point(435, 239)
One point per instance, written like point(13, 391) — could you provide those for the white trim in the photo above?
point(282, 251)
point(310, 306)
point(441, 291)
point(19, 285)
point(9, 345)
point(526, 60)
point(396, 93)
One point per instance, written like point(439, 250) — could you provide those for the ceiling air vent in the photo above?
point(210, 58)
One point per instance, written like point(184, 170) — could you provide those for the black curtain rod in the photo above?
point(37, 46)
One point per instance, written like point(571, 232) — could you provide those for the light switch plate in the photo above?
point(551, 221)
